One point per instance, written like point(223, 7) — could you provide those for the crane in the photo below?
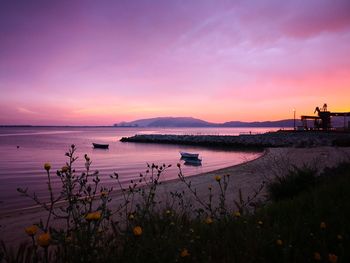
point(322, 121)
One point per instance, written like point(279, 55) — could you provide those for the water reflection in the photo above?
point(23, 166)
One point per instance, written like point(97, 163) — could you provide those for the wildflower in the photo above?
point(217, 178)
point(104, 193)
point(339, 237)
point(64, 169)
point(47, 166)
point(44, 240)
point(332, 258)
point(184, 253)
point(323, 225)
point(137, 231)
point(279, 242)
point(88, 199)
point(131, 217)
point(94, 216)
point(31, 230)
point(317, 256)
point(237, 214)
point(208, 220)
point(69, 239)
point(167, 212)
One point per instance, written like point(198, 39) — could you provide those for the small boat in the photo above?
point(193, 162)
point(186, 155)
point(100, 146)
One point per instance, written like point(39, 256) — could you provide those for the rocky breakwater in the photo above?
point(272, 139)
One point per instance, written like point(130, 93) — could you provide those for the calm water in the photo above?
point(23, 166)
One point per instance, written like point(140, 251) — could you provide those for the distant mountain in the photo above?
point(192, 122)
point(280, 123)
point(167, 122)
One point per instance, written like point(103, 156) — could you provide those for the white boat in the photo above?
point(186, 155)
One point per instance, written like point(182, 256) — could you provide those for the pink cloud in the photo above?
point(219, 60)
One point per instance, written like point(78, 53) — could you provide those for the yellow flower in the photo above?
point(104, 193)
point(217, 178)
point(332, 258)
point(184, 253)
point(131, 217)
point(44, 240)
point(279, 242)
point(317, 256)
point(137, 231)
point(47, 166)
point(64, 169)
point(69, 239)
point(167, 212)
point(31, 230)
point(208, 220)
point(237, 214)
point(323, 225)
point(94, 216)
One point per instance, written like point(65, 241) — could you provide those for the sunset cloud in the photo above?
point(26, 111)
point(102, 62)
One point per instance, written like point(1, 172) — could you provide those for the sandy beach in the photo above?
point(247, 177)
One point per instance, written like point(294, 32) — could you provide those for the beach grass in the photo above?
point(310, 224)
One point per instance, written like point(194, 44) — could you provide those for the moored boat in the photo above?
point(100, 146)
point(189, 155)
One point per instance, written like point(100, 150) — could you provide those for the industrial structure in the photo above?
point(323, 119)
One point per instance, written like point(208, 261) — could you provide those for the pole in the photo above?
point(294, 119)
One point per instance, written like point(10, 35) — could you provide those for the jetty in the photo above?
point(270, 139)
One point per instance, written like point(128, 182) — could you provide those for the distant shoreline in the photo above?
point(57, 126)
point(136, 127)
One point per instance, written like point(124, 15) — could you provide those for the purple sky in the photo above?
point(101, 62)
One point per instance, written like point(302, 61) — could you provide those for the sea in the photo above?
point(25, 150)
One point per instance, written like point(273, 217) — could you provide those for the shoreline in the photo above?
point(220, 170)
point(246, 177)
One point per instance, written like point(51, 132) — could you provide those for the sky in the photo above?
point(102, 62)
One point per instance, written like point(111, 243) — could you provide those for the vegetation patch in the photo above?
point(295, 181)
